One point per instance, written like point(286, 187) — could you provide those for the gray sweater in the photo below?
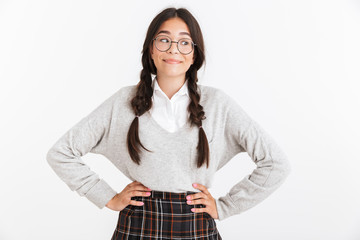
point(171, 166)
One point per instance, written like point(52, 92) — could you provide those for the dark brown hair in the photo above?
point(142, 101)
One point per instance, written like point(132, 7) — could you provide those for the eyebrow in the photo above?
point(167, 32)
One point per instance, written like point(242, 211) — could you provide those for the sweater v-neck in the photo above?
point(186, 126)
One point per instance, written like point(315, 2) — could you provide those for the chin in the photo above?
point(173, 73)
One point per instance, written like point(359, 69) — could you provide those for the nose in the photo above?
point(173, 47)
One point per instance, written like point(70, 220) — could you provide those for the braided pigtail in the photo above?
point(140, 103)
point(196, 116)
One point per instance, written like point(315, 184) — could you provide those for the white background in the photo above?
point(292, 65)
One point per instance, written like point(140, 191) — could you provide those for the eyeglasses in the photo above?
point(184, 45)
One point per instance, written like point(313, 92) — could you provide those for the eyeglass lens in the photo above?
point(163, 43)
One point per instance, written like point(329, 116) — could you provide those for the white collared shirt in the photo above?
point(170, 114)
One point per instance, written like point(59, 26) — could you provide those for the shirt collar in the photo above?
point(182, 91)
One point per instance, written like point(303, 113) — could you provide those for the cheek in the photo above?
point(189, 59)
point(155, 57)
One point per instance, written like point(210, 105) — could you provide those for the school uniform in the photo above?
point(170, 169)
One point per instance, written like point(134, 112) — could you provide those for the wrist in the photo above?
point(110, 201)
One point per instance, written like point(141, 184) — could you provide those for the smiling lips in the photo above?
point(172, 61)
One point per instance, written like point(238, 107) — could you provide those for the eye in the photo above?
point(185, 42)
point(164, 39)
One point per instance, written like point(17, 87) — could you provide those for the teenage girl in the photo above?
point(170, 135)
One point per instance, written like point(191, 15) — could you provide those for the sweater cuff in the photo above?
point(100, 194)
point(226, 207)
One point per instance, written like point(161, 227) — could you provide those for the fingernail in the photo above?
point(193, 210)
point(195, 185)
point(141, 204)
point(149, 189)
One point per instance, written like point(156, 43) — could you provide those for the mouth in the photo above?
point(172, 61)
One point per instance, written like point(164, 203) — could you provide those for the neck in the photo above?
point(170, 85)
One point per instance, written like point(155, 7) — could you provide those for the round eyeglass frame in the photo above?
point(177, 44)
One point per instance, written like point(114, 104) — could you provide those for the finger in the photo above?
point(201, 188)
point(136, 203)
point(140, 193)
point(197, 210)
point(196, 196)
point(134, 183)
point(140, 188)
point(195, 202)
point(137, 184)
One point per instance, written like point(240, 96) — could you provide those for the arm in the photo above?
point(244, 134)
point(88, 135)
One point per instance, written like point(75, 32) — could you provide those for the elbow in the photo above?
point(287, 166)
point(50, 157)
point(284, 168)
point(280, 171)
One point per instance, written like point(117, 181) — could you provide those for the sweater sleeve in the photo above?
point(88, 135)
point(242, 133)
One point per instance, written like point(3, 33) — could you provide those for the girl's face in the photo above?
point(172, 63)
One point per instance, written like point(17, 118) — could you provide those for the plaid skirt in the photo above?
point(165, 215)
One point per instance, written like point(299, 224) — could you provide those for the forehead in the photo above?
point(174, 27)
